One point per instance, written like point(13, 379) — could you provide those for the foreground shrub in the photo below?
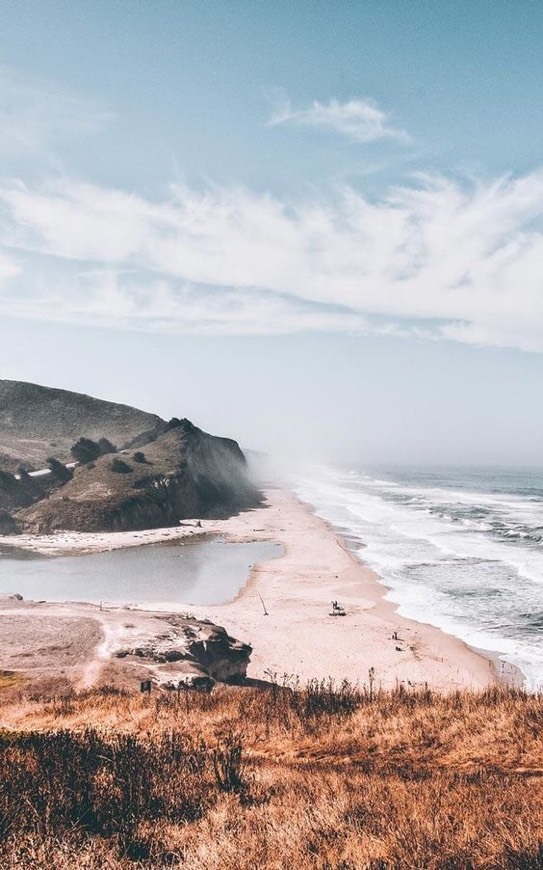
point(55, 782)
point(321, 776)
point(228, 763)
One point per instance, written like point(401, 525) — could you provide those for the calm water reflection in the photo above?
point(203, 572)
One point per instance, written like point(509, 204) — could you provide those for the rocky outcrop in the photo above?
point(186, 474)
point(162, 473)
point(8, 526)
point(191, 653)
point(21, 490)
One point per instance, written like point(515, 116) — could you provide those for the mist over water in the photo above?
point(459, 548)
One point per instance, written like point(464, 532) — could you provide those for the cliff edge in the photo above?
point(130, 470)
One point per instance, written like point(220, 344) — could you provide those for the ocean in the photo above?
point(460, 548)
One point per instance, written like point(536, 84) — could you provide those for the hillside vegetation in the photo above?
point(276, 777)
point(133, 470)
point(37, 422)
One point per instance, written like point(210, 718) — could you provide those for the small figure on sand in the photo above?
point(337, 609)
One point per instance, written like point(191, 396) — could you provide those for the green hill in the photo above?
point(37, 422)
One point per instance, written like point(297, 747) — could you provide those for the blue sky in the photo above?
point(315, 225)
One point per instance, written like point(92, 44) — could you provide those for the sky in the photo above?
point(312, 226)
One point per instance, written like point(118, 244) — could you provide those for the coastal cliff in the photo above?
point(163, 473)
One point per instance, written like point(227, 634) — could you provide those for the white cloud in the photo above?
point(8, 268)
point(126, 301)
point(361, 120)
point(36, 113)
point(437, 258)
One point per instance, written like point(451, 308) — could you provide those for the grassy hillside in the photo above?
point(37, 422)
point(162, 473)
point(183, 473)
point(273, 778)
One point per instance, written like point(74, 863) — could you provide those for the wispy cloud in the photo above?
point(36, 113)
point(129, 300)
point(440, 258)
point(360, 120)
point(9, 269)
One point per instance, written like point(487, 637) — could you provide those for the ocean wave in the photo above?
point(469, 561)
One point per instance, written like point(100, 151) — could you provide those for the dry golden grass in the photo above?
point(10, 679)
point(243, 778)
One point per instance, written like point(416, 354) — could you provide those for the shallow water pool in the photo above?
point(211, 571)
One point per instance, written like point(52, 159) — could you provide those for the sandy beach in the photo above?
point(296, 636)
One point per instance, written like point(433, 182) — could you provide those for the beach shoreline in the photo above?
point(505, 672)
point(284, 609)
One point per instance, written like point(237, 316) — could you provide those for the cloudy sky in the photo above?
point(315, 225)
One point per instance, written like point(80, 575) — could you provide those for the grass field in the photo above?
point(10, 679)
point(320, 777)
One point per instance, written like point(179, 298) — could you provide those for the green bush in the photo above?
point(59, 470)
point(106, 446)
point(85, 450)
point(120, 466)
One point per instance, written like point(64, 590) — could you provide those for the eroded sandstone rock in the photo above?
point(190, 652)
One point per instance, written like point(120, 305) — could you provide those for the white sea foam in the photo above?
point(465, 559)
